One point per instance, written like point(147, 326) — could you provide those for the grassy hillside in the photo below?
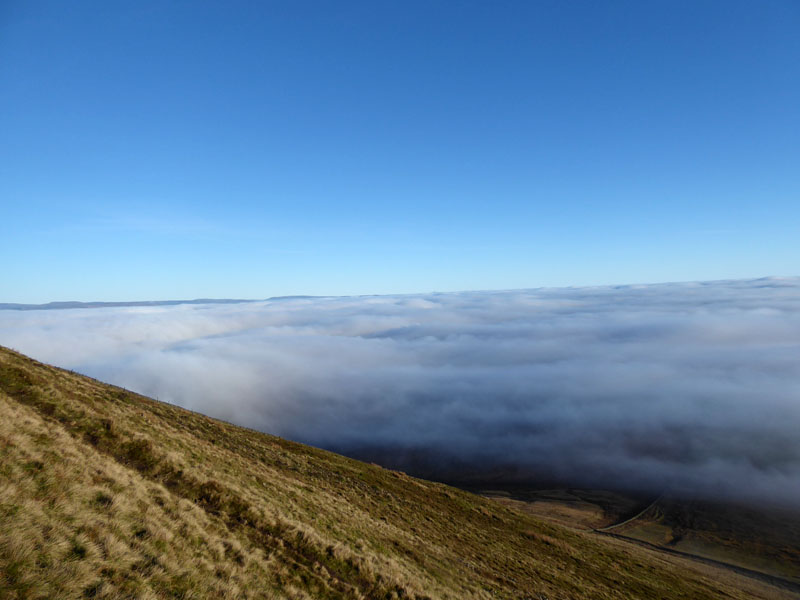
point(107, 494)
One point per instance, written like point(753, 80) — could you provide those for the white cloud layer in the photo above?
point(692, 385)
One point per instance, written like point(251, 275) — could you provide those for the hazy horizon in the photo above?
point(90, 303)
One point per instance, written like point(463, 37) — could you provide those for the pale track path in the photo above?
point(779, 582)
point(631, 519)
point(774, 580)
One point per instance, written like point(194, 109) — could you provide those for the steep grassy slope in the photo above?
point(106, 494)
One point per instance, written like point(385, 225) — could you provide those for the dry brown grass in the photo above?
point(107, 494)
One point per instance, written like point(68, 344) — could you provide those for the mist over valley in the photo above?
point(691, 387)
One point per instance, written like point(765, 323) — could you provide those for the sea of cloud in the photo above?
point(688, 386)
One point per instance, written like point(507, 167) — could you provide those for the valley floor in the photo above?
point(762, 543)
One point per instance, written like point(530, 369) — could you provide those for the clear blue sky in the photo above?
point(154, 150)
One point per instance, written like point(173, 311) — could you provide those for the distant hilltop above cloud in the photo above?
point(761, 282)
point(61, 305)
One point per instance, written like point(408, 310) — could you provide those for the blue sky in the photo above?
point(156, 150)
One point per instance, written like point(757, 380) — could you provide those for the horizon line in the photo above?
point(77, 304)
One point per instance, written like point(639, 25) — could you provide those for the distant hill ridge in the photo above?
point(75, 304)
point(108, 494)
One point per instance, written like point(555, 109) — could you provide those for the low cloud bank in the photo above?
point(695, 386)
